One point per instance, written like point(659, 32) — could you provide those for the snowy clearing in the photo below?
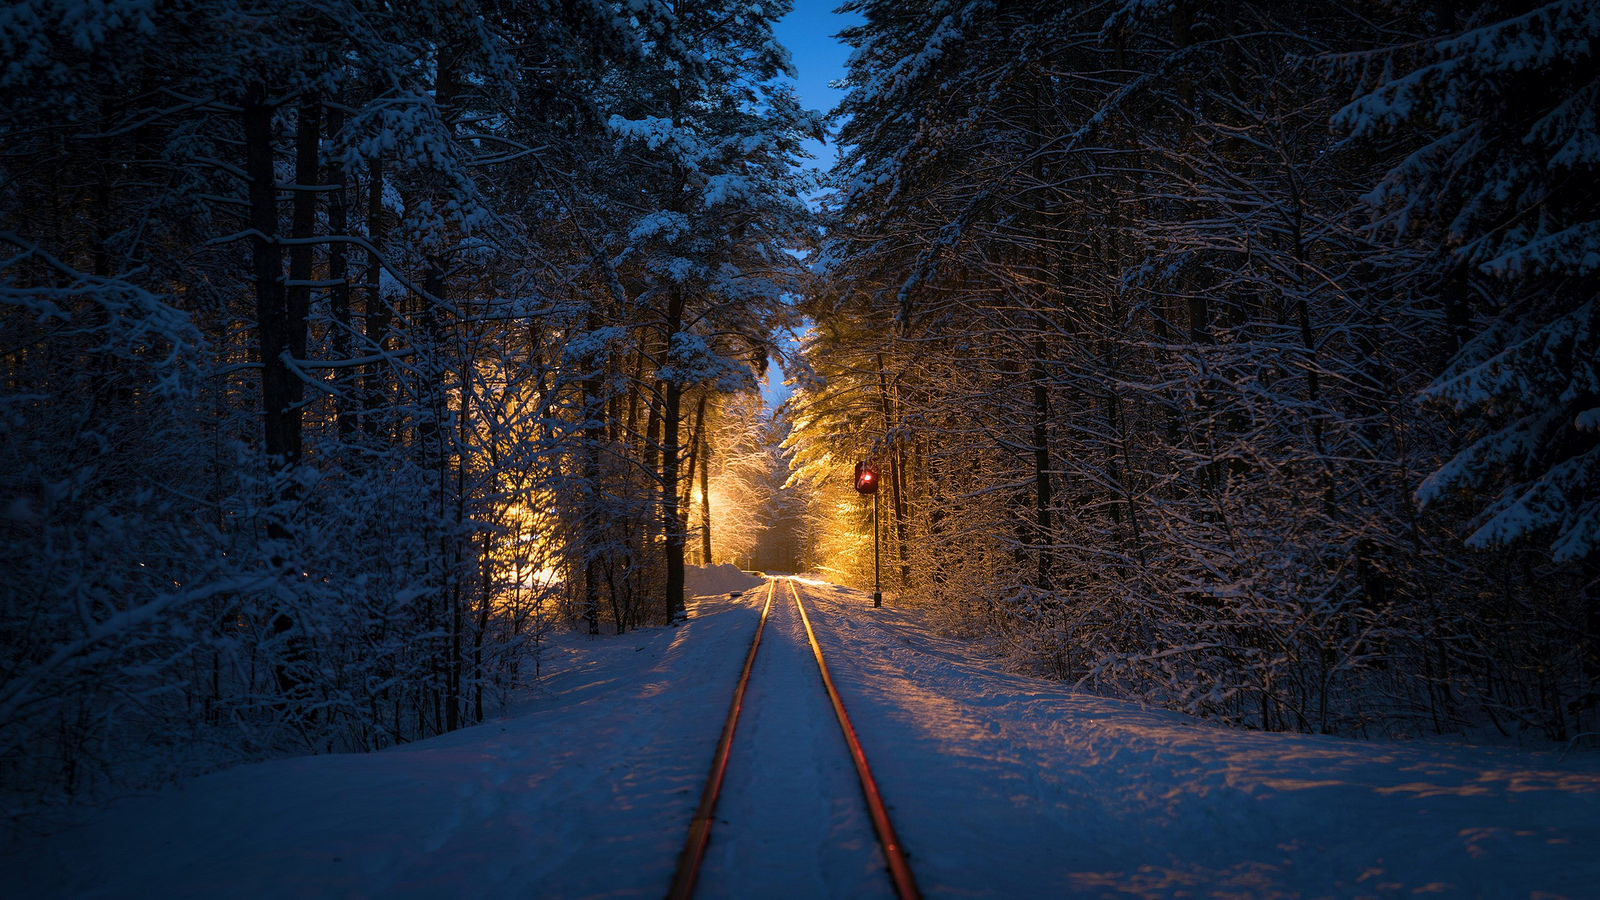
point(999, 785)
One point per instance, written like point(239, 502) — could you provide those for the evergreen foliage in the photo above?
point(341, 359)
point(1211, 385)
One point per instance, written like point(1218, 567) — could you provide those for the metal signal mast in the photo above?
point(867, 483)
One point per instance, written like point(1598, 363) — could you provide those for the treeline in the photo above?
point(1236, 356)
point(345, 346)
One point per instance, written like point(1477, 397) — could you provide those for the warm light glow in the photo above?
point(542, 578)
point(525, 554)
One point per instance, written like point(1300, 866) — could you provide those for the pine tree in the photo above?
point(1507, 189)
point(713, 137)
point(1501, 198)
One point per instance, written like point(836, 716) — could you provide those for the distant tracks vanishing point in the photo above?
point(694, 848)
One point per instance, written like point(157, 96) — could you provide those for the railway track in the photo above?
point(699, 837)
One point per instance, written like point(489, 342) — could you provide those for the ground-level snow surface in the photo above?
point(1000, 786)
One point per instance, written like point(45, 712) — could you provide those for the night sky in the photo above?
point(819, 58)
point(809, 32)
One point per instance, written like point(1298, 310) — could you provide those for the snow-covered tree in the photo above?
point(1152, 369)
point(1505, 189)
point(709, 135)
point(287, 290)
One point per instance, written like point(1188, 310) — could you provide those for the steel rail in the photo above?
point(905, 885)
point(694, 849)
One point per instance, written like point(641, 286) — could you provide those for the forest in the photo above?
point(1238, 357)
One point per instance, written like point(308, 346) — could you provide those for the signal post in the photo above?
point(867, 483)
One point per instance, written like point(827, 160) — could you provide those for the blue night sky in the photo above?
point(819, 58)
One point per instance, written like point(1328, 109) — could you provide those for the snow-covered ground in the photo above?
point(1000, 786)
point(1006, 786)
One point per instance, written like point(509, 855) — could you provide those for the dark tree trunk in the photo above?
point(673, 545)
point(594, 433)
point(896, 479)
point(433, 432)
point(705, 498)
point(1044, 533)
point(275, 326)
point(643, 534)
point(431, 437)
point(302, 253)
point(694, 460)
point(279, 434)
point(378, 312)
point(339, 276)
point(479, 676)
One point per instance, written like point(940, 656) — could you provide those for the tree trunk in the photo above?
point(1044, 532)
point(673, 545)
point(274, 329)
point(272, 315)
point(705, 499)
point(594, 432)
point(339, 276)
point(434, 435)
point(302, 253)
point(378, 311)
point(897, 503)
point(482, 629)
point(433, 456)
point(694, 460)
point(644, 533)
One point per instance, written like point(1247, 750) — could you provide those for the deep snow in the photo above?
point(1006, 786)
point(999, 785)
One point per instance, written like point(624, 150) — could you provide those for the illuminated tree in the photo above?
point(1153, 374)
point(709, 137)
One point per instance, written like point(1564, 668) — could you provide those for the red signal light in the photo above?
point(866, 478)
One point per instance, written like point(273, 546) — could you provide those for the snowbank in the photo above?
point(1000, 786)
point(706, 581)
point(585, 792)
point(1009, 786)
